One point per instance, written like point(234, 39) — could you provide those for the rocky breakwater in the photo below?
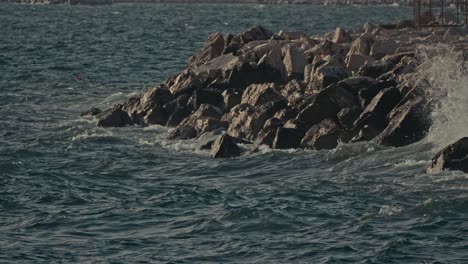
point(291, 90)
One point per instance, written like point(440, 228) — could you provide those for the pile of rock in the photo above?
point(290, 90)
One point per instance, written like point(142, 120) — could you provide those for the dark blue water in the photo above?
point(71, 192)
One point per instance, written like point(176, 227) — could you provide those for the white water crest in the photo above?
point(445, 70)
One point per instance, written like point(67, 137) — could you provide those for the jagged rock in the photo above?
point(182, 83)
point(256, 33)
point(225, 147)
point(324, 135)
point(375, 69)
point(231, 98)
point(213, 48)
point(329, 48)
point(360, 46)
point(295, 62)
point(219, 67)
point(287, 138)
point(91, 112)
point(355, 61)
point(341, 36)
point(114, 117)
point(408, 124)
point(205, 96)
point(156, 116)
point(324, 76)
point(356, 83)
point(367, 94)
point(452, 157)
point(271, 64)
point(179, 114)
point(293, 91)
point(347, 116)
point(258, 94)
point(245, 120)
point(286, 114)
point(205, 119)
point(383, 102)
point(267, 135)
point(381, 48)
point(183, 132)
point(326, 104)
point(292, 35)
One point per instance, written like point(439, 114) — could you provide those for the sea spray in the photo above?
point(444, 70)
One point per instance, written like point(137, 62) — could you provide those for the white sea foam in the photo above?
point(446, 72)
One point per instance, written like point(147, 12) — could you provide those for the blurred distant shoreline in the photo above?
point(255, 2)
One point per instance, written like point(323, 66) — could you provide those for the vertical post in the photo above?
point(417, 12)
point(442, 13)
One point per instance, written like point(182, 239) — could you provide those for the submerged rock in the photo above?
point(225, 147)
point(452, 157)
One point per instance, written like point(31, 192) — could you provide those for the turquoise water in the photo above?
point(71, 192)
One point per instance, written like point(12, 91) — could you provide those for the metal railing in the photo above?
point(440, 13)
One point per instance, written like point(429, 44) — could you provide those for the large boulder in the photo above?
point(326, 104)
point(245, 121)
point(409, 123)
point(381, 48)
point(295, 62)
point(326, 75)
point(452, 157)
point(225, 147)
point(231, 98)
point(341, 36)
point(258, 94)
point(293, 91)
point(271, 65)
point(383, 102)
point(114, 117)
point(255, 33)
point(213, 48)
point(324, 135)
point(205, 96)
point(205, 119)
point(287, 138)
point(182, 83)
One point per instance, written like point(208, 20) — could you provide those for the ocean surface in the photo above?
point(74, 193)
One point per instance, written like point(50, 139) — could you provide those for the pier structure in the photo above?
point(440, 13)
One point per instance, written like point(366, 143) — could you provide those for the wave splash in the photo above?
point(446, 72)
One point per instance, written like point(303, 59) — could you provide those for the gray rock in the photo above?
point(225, 147)
point(258, 94)
point(114, 117)
point(452, 157)
point(324, 135)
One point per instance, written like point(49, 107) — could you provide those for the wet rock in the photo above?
point(326, 104)
point(295, 62)
point(245, 121)
point(452, 157)
point(91, 112)
point(205, 119)
point(268, 133)
point(183, 132)
point(409, 123)
point(347, 116)
point(258, 94)
point(366, 95)
point(324, 135)
point(287, 138)
point(225, 147)
point(179, 114)
point(383, 102)
point(114, 117)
